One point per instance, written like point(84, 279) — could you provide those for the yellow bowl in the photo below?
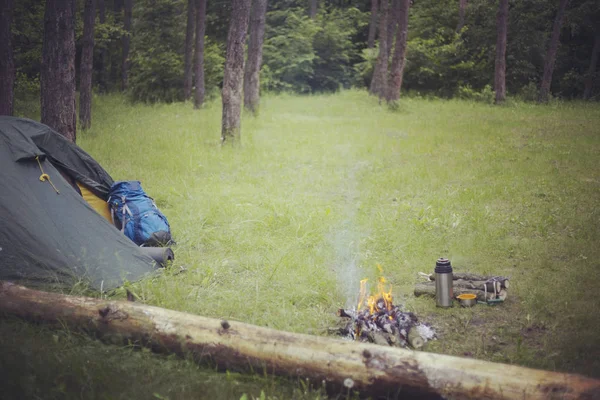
point(467, 299)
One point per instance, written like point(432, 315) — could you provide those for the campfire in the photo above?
point(377, 320)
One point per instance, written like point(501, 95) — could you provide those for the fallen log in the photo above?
point(428, 289)
point(234, 345)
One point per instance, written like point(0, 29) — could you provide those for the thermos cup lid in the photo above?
point(443, 266)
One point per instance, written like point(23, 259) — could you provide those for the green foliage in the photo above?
point(485, 95)
point(158, 39)
point(156, 72)
point(363, 70)
point(335, 49)
point(288, 52)
point(304, 56)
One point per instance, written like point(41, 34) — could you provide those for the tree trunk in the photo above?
point(369, 368)
point(234, 71)
point(189, 47)
point(500, 72)
point(87, 64)
point(199, 54)
point(103, 57)
point(551, 53)
point(399, 57)
point(58, 68)
point(379, 80)
point(7, 66)
point(312, 12)
point(373, 24)
point(462, 10)
point(255, 46)
point(115, 65)
point(126, 41)
point(393, 18)
point(589, 78)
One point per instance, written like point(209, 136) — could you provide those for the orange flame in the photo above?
point(381, 300)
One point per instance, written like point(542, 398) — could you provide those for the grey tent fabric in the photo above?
point(23, 133)
point(50, 239)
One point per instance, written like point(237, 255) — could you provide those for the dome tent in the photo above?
point(49, 235)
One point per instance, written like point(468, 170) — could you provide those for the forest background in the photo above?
point(450, 52)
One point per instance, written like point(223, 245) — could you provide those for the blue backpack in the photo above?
point(135, 213)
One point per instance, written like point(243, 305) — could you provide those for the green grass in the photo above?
point(278, 231)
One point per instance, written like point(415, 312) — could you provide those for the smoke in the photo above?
point(347, 238)
point(346, 245)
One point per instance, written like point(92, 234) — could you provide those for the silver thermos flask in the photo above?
point(443, 283)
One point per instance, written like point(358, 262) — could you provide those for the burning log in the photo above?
point(428, 289)
point(378, 320)
point(374, 370)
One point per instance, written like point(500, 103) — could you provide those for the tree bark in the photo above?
point(393, 20)
point(189, 48)
point(399, 58)
point(87, 64)
point(115, 65)
point(371, 369)
point(462, 10)
point(589, 77)
point(500, 71)
point(200, 90)
point(234, 72)
point(379, 80)
point(373, 24)
point(551, 53)
point(58, 68)
point(7, 65)
point(312, 12)
point(126, 40)
point(103, 58)
point(255, 52)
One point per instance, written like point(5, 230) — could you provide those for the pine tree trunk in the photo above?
point(551, 53)
point(115, 65)
point(58, 68)
point(399, 58)
point(589, 78)
point(7, 66)
point(86, 66)
point(255, 52)
point(312, 12)
point(199, 54)
point(500, 72)
point(126, 41)
point(234, 72)
point(379, 80)
point(373, 24)
point(393, 18)
point(462, 10)
point(103, 56)
point(189, 48)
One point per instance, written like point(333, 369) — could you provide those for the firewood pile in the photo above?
point(488, 289)
point(378, 320)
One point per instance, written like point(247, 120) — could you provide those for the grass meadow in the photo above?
point(278, 232)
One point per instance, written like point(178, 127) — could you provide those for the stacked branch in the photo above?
point(484, 287)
